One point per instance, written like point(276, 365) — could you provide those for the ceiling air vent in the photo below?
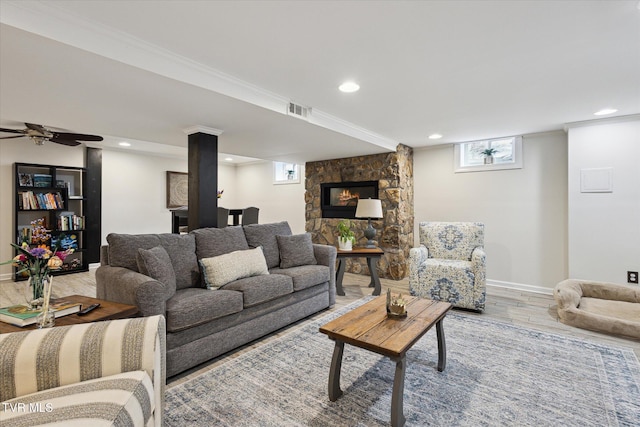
point(298, 110)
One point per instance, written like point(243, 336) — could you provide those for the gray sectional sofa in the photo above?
point(181, 276)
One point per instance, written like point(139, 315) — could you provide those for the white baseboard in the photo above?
point(6, 276)
point(520, 287)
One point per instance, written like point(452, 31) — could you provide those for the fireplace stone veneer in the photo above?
point(394, 232)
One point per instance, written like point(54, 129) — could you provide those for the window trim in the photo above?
point(515, 164)
point(276, 170)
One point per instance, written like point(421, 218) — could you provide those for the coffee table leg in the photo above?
point(397, 413)
point(375, 280)
point(340, 275)
point(442, 347)
point(334, 373)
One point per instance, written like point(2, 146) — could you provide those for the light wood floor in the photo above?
point(531, 310)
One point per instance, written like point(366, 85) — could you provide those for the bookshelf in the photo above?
point(55, 197)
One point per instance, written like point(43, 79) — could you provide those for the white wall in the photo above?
point(277, 202)
point(604, 228)
point(524, 210)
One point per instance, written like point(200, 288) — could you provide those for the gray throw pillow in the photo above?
point(155, 263)
point(296, 250)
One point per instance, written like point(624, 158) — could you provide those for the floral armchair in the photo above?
point(450, 264)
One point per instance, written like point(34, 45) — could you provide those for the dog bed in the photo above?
point(599, 306)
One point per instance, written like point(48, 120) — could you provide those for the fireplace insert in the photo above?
point(339, 199)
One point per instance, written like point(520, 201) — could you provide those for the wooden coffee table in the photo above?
point(108, 310)
point(369, 327)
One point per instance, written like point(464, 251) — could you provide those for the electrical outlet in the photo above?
point(632, 277)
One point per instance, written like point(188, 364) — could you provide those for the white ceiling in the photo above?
point(146, 70)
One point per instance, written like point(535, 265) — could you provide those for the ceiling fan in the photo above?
point(39, 134)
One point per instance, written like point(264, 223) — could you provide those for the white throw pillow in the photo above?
point(222, 269)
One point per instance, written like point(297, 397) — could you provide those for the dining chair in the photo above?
point(223, 217)
point(250, 215)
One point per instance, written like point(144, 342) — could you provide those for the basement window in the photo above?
point(286, 173)
point(470, 156)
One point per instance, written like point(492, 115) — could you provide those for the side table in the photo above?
point(372, 255)
point(108, 310)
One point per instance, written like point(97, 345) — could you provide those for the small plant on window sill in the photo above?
point(488, 155)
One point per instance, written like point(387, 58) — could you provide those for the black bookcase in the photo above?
point(56, 194)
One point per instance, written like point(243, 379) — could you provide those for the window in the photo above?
point(286, 173)
point(471, 157)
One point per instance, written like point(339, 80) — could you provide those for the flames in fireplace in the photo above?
point(346, 198)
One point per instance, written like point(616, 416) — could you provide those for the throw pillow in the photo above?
point(222, 269)
point(155, 263)
point(296, 250)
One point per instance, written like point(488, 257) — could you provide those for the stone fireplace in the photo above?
point(393, 175)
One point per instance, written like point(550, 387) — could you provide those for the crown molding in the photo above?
point(51, 21)
point(202, 129)
point(605, 120)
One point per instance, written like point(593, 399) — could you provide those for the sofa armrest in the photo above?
point(326, 255)
point(126, 286)
point(43, 359)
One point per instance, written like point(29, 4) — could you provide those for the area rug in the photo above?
point(497, 374)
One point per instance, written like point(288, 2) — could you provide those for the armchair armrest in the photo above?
point(44, 359)
point(326, 255)
point(126, 286)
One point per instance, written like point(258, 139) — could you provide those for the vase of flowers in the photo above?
point(37, 262)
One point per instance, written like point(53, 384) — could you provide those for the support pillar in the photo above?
point(203, 177)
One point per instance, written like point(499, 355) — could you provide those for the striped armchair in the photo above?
point(102, 373)
point(450, 264)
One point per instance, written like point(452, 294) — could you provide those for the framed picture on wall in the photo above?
point(177, 189)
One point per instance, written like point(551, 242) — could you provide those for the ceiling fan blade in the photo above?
point(13, 130)
point(11, 137)
point(69, 142)
point(75, 136)
point(37, 128)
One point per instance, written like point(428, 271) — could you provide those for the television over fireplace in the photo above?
point(340, 199)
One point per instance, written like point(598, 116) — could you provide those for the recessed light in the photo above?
point(435, 136)
point(124, 144)
point(349, 87)
point(228, 159)
point(605, 111)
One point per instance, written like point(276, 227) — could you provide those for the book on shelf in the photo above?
point(20, 315)
point(41, 180)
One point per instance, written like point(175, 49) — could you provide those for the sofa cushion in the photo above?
point(305, 276)
point(123, 248)
point(265, 235)
point(119, 399)
point(259, 289)
point(182, 251)
point(222, 269)
point(155, 262)
point(194, 306)
point(212, 242)
point(123, 251)
point(296, 250)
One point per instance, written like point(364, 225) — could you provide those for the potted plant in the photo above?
point(346, 236)
point(488, 155)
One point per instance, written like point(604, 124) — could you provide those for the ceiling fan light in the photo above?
point(124, 144)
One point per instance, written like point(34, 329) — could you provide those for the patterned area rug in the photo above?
point(496, 374)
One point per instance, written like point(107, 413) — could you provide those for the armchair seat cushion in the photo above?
point(121, 399)
point(194, 306)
